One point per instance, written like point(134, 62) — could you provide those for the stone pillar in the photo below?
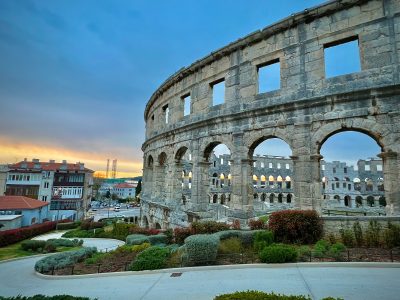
point(391, 182)
point(147, 182)
point(158, 186)
point(200, 184)
point(307, 182)
point(242, 186)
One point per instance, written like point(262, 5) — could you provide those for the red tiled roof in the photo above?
point(20, 202)
point(48, 166)
point(124, 186)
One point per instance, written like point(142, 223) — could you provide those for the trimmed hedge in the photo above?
point(137, 239)
point(263, 239)
point(89, 224)
point(202, 248)
point(296, 226)
point(64, 259)
point(152, 258)
point(66, 226)
point(208, 227)
point(33, 245)
point(12, 236)
point(65, 242)
point(43, 297)
point(278, 253)
point(258, 295)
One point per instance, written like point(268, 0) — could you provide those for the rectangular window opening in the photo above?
point(342, 57)
point(166, 113)
point(218, 92)
point(269, 76)
point(186, 104)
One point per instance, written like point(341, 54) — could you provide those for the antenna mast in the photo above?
point(114, 168)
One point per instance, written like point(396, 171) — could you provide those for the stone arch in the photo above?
point(254, 143)
point(145, 222)
point(215, 198)
point(271, 198)
point(150, 161)
point(180, 153)
point(162, 158)
point(359, 200)
point(370, 201)
point(263, 197)
point(158, 226)
point(208, 149)
point(347, 201)
point(223, 199)
point(382, 201)
point(289, 198)
point(280, 198)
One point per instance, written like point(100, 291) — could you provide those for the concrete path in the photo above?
point(102, 245)
point(349, 281)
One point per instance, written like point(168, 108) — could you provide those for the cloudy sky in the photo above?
point(75, 75)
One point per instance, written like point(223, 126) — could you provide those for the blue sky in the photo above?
point(75, 75)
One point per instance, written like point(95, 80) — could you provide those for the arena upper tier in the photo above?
point(185, 119)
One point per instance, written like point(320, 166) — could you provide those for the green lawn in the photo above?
point(14, 251)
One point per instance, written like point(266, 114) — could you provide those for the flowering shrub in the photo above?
point(89, 224)
point(180, 234)
point(296, 226)
point(145, 231)
point(12, 236)
point(235, 224)
point(208, 227)
point(257, 224)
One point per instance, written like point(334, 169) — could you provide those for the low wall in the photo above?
point(332, 224)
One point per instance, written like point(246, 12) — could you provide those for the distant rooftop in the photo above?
point(51, 165)
point(20, 202)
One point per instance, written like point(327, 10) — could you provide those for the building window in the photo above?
point(287, 166)
point(262, 165)
point(46, 185)
point(379, 168)
point(323, 167)
point(270, 165)
point(334, 170)
point(345, 170)
point(367, 168)
point(186, 104)
point(269, 76)
point(166, 113)
point(218, 92)
point(278, 165)
point(338, 52)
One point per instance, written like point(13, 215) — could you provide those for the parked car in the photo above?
point(116, 208)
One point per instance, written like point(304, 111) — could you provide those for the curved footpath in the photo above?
point(346, 280)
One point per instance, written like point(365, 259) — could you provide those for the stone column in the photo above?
point(158, 186)
point(200, 184)
point(147, 182)
point(391, 182)
point(307, 181)
point(242, 184)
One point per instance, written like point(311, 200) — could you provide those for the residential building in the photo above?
point(66, 186)
point(3, 178)
point(20, 211)
point(124, 190)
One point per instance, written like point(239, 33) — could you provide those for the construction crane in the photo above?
point(108, 167)
point(114, 168)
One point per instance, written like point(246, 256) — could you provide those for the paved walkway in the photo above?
point(102, 245)
point(349, 281)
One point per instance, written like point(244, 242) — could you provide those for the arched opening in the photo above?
point(219, 156)
point(382, 201)
point(280, 198)
point(337, 198)
point(289, 198)
point(158, 226)
point(255, 196)
point(223, 199)
point(183, 162)
point(215, 198)
point(229, 179)
point(263, 197)
point(347, 200)
point(370, 201)
point(381, 187)
point(271, 198)
point(272, 163)
point(222, 180)
point(350, 161)
point(255, 181)
point(145, 222)
point(150, 161)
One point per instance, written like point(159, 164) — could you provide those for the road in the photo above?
point(349, 281)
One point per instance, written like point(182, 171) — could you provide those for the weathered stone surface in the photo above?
point(304, 112)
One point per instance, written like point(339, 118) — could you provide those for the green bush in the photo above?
point(208, 227)
point(202, 248)
point(258, 295)
point(336, 251)
point(296, 226)
point(278, 253)
point(79, 233)
point(66, 226)
point(121, 230)
point(95, 258)
point(152, 258)
point(227, 234)
point(43, 297)
point(137, 239)
point(65, 242)
point(358, 234)
point(347, 237)
point(372, 234)
point(159, 239)
point(304, 253)
point(321, 248)
point(391, 236)
point(263, 239)
point(32, 245)
point(331, 238)
point(64, 259)
point(229, 246)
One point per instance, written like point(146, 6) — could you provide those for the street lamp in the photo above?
point(108, 196)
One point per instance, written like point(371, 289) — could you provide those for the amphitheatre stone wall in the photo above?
point(306, 110)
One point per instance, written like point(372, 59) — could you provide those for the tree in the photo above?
point(138, 188)
point(114, 196)
point(108, 194)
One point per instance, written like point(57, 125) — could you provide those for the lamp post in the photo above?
point(108, 196)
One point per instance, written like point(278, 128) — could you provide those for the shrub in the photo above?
point(64, 259)
point(347, 237)
point(227, 234)
point(208, 227)
point(122, 230)
point(69, 225)
point(247, 237)
point(95, 258)
point(180, 234)
point(321, 248)
point(391, 236)
point(202, 248)
point(304, 253)
point(263, 239)
point(331, 238)
point(256, 224)
point(159, 239)
point(296, 226)
point(65, 242)
point(140, 248)
point(358, 234)
point(231, 245)
point(137, 239)
point(257, 295)
point(169, 233)
point(152, 258)
point(89, 224)
point(278, 253)
point(372, 234)
point(336, 251)
point(32, 245)
point(145, 231)
point(264, 218)
point(12, 236)
point(236, 224)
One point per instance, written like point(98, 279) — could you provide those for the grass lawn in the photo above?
point(14, 251)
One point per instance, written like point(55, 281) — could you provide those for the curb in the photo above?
point(227, 267)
